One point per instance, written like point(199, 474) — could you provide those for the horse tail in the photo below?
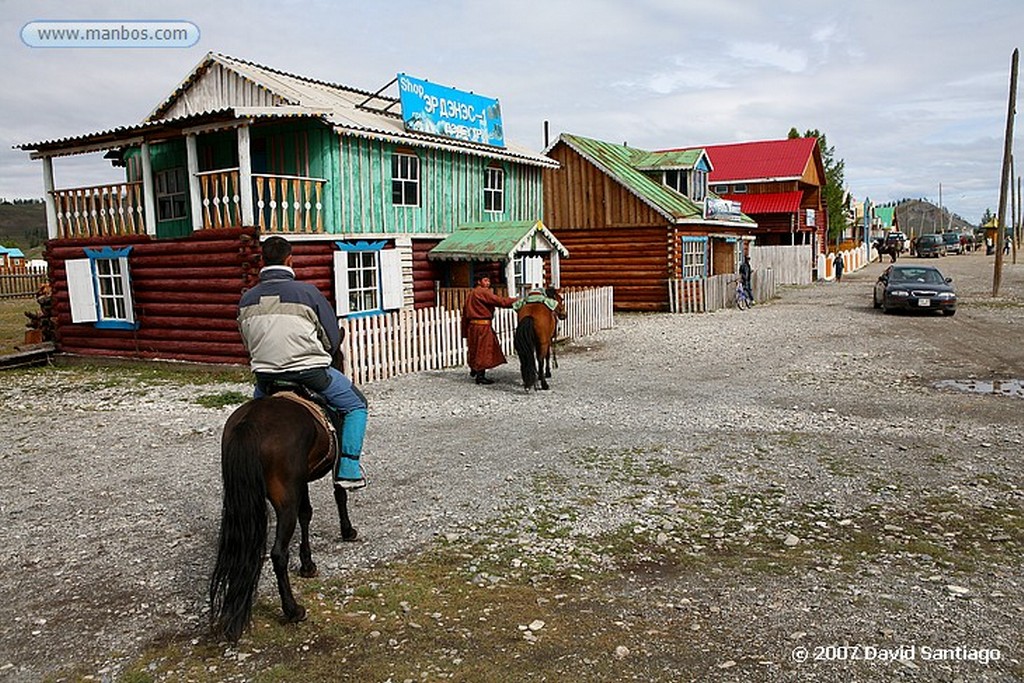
point(243, 533)
point(526, 348)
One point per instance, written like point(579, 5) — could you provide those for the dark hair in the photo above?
point(276, 251)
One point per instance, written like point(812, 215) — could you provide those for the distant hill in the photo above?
point(918, 217)
point(23, 225)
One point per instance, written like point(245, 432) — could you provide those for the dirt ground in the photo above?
point(787, 493)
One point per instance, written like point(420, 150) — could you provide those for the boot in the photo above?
point(482, 378)
point(348, 474)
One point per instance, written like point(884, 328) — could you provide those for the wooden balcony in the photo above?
point(100, 210)
point(281, 205)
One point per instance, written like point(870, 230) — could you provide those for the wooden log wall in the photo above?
point(580, 195)
point(632, 260)
point(185, 293)
point(424, 273)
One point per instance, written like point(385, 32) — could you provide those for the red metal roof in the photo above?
point(767, 159)
point(770, 202)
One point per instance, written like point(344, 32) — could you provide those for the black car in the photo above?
point(914, 288)
point(930, 245)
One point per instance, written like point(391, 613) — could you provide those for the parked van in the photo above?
point(930, 245)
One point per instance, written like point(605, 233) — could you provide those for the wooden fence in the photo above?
point(21, 283)
point(407, 341)
point(718, 291)
point(792, 264)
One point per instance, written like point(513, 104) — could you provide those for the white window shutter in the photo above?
point(341, 303)
point(81, 290)
point(535, 271)
point(391, 279)
point(126, 283)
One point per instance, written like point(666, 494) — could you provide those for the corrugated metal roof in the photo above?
point(345, 107)
point(338, 105)
point(495, 241)
point(673, 160)
point(768, 202)
point(761, 160)
point(624, 165)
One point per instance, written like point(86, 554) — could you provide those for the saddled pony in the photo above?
point(271, 449)
point(535, 334)
point(893, 250)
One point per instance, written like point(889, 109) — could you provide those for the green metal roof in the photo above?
point(496, 241)
point(664, 161)
point(626, 165)
point(884, 215)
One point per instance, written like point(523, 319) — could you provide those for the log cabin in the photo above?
point(638, 220)
point(363, 183)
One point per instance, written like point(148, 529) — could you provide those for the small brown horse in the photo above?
point(535, 334)
point(272, 447)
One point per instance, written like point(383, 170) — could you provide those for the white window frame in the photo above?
point(699, 181)
point(677, 180)
point(528, 273)
point(100, 292)
point(694, 262)
point(353, 266)
point(171, 194)
point(405, 179)
point(494, 189)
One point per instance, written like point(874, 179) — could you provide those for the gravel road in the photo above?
point(811, 424)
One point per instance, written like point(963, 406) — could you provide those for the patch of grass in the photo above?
point(12, 322)
point(222, 399)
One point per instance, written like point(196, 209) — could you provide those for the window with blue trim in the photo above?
point(367, 278)
point(99, 287)
point(694, 265)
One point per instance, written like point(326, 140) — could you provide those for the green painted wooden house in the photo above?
point(153, 265)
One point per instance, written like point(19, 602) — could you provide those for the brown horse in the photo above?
point(272, 447)
point(535, 334)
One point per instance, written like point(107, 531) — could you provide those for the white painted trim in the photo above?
point(194, 195)
point(148, 191)
point(51, 206)
point(245, 176)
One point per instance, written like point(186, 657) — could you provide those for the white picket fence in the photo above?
point(853, 259)
point(415, 340)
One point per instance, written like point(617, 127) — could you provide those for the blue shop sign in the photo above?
point(439, 110)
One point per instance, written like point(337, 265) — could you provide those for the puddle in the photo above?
point(999, 387)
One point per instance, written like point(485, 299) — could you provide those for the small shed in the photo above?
point(528, 252)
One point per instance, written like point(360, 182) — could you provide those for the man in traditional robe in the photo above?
point(483, 346)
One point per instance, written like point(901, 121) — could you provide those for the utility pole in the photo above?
point(1005, 178)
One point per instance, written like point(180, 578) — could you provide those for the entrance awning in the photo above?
point(496, 241)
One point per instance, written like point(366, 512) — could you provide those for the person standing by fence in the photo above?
point(837, 264)
point(745, 274)
point(483, 349)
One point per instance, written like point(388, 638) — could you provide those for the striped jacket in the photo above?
point(287, 325)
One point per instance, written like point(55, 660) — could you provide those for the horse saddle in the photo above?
point(535, 298)
point(317, 405)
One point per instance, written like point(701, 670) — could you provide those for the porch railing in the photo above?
point(288, 204)
point(221, 201)
point(96, 210)
point(281, 204)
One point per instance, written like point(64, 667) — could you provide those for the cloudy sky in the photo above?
point(910, 93)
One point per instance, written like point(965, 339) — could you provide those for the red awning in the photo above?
point(771, 202)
